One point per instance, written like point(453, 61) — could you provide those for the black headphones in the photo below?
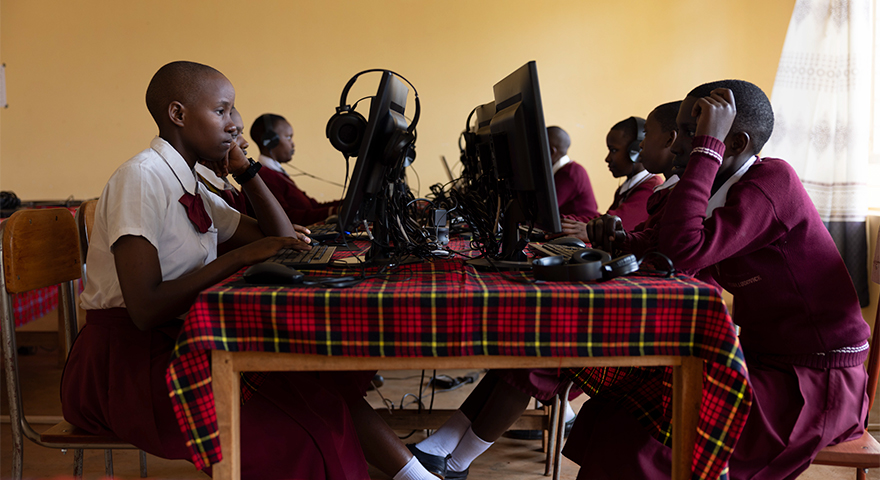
point(634, 147)
point(269, 139)
point(585, 265)
point(346, 127)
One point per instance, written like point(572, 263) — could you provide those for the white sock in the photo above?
point(444, 440)
point(413, 470)
point(569, 413)
point(469, 448)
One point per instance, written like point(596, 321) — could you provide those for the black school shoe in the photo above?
point(537, 434)
point(450, 475)
point(433, 463)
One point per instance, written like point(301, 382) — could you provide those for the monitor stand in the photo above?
point(513, 241)
point(380, 253)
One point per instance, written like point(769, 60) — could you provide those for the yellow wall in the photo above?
point(77, 71)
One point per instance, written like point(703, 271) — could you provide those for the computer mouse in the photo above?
point(569, 241)
point(331, 220)
point(270, 273)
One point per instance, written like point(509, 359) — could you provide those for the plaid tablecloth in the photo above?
point(443, 309)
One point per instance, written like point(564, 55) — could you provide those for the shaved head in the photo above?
point(177, 81)
point(558, 138)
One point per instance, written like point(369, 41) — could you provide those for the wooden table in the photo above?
point(445, 315)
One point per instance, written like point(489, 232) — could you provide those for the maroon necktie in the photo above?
point(196, 212)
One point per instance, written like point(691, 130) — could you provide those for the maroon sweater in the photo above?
point(632, 207)
point(300, 208)
point(643, 238)
point(574, 193)
point(793, 297)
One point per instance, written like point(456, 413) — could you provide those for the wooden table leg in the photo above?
point(226, 384)
point(687, 393)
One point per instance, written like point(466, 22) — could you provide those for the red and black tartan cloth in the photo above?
point(443, 308)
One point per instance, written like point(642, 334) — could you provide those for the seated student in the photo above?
point(274, 136)
point(574, 193)
point(657, 158)
point(219, 185)
point(502, 396)
point(623, 160)
point(153, 250)
point(802, 332)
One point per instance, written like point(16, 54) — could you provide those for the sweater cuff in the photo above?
point(709, 146)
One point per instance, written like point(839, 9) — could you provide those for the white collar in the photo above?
point(272, 164)
point(178, 165)
point(209, 176)
point(634, 181)
point(561, 163)
point(667, 184)
point(720, 197)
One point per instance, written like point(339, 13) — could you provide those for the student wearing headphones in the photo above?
point(274, 136)
point(631, 198)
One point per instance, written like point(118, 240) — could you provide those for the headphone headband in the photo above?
point(343, 100)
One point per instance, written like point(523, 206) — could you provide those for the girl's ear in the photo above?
point(176, 112)
point(671, 136)
point(737, 143)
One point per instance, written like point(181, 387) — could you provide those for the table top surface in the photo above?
point(444, 308)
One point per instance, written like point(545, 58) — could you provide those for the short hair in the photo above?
point(179, 81)
point(630, 126)
point(558, 138)
point(258, 128)
point(666, 114)
point(754, 114)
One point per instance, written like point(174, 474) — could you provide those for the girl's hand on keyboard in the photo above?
point(302, 233)
point(264, 248)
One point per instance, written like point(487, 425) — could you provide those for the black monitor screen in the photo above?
point(522, 151)
point(372, 168)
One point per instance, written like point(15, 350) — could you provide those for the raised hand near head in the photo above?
point(715, 113)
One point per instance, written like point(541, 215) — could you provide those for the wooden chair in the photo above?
point(40, 248)
point(85, 220)
point(864, 452)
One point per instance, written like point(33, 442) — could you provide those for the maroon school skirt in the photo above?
point(292, 427)
point(796, 411)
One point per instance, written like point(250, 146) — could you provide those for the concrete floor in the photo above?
point(508, 459)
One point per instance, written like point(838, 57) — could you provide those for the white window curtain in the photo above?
point(822, 102)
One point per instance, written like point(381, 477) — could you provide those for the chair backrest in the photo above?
point(85, 220)
point(874, 353)
point(39, 248)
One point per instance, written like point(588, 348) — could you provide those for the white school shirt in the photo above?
point(272, 164)
point(563, 161)
point(141, 199)
point(635, 181)
point(669, 183)
point(720, 197)
point(209, 176)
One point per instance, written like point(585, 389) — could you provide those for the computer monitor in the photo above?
point(375, 174)
point(521, 154)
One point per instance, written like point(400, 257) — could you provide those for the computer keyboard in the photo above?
point(550, 249)
point(317, 256)
point(324, 231)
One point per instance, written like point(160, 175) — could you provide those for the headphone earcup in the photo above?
point(401, 147)
point(345, 130)
point(589, 255)
point(635, 146)
point(270, 140)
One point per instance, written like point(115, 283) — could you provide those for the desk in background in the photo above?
point(444, 315)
